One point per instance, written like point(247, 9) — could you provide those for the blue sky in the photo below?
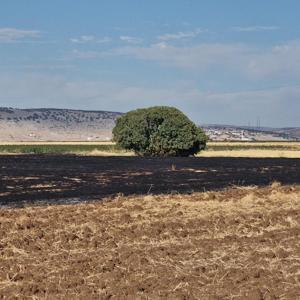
point(220, 61)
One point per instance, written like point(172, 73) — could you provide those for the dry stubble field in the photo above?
point(238, 243)
point(276, 149)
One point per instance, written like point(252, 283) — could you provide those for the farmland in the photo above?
point(149, 150)
point(238, 243)
point(54, 178)
point(234, 149)
point(75, 224)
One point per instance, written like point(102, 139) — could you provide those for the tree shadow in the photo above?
point(67, 178)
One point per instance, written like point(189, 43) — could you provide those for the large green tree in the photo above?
point(158, 131)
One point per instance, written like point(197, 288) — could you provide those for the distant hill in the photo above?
point(47, 124)
point(248, 133)
point(290, 131)
point(51, 124)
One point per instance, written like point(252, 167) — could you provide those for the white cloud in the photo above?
point(200, 57)
point(161, 45)
point(279, 61)
point(236, 60)
point(83, 39)
point(255, 28)
point(130, 39)
point(180, 35)
point(90, 39)
point(8, 35)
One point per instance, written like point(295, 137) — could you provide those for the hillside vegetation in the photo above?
point(55, 124)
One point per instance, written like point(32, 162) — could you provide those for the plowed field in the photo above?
point(238, 243)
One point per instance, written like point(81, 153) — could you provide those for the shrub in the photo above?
point(158, 131)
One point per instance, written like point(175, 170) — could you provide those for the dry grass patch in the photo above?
point(251, 153)
point(240, 243)
point(105, 153)
point(270, 144)
point(57, 143)
point(108, 148)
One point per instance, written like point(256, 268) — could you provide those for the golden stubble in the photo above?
point(235, 243)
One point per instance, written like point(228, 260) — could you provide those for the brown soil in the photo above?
point(67, 178)
point(239, 243)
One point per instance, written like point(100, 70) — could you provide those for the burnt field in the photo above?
point(63, 178)
point(179, 231)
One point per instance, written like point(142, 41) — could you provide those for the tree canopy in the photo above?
point(158, 131)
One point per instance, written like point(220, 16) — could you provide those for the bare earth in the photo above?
point(238, 243)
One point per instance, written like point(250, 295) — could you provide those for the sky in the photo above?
point(219, 61)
